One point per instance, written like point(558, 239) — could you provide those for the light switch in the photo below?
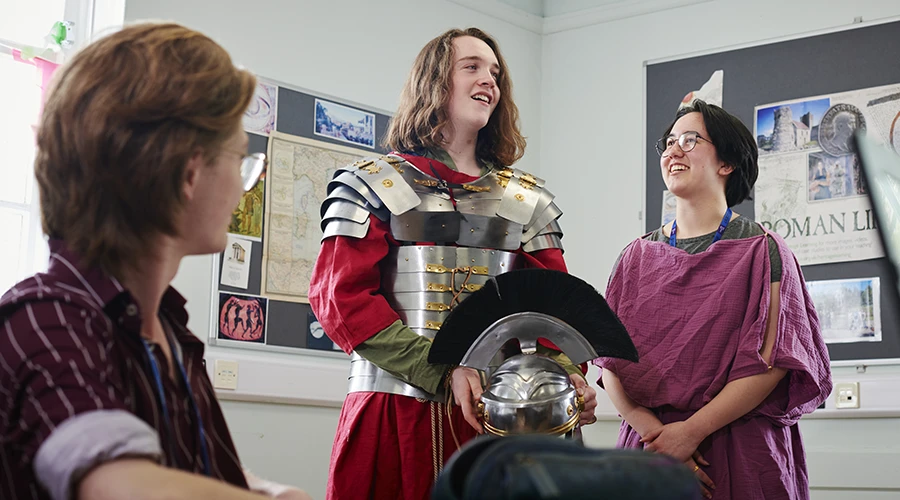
point(225, 374)
point(846, 395)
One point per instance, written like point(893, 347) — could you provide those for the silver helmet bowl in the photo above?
point(530, 394)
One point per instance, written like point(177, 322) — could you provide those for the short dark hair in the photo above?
point(734, 144)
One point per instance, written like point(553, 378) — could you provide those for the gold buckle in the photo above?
point(433, 325)
point(504, 176)
point(476, 189)
point(528, 181)
point(440, 287)
point(436, 268)
point(394, 162)
point(436, 306)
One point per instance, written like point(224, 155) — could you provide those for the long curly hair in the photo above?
point(422, 115)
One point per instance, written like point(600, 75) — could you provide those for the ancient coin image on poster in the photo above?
point(837, 127)
point(242, 317)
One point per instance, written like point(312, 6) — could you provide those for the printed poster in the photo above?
point(810, 189)
point(236, 262)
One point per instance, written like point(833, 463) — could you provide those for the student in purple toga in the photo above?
point(731, 351)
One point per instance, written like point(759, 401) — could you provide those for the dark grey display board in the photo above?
point(287, 323)
point(851, 59)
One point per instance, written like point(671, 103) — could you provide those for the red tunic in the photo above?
point(384, 446)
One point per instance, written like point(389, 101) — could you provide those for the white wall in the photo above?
point(359, 51)
point(592, 156)
point(356, 50)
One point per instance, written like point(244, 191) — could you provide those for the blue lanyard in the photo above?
point(719, 232)
point(160, 393)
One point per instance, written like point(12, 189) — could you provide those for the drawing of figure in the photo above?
point(820, 183)
point(838, 181)
point(238, 319)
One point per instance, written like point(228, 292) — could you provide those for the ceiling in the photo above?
point(551, 8)
point(552, 16)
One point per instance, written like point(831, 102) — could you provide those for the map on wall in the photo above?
point(297, 181)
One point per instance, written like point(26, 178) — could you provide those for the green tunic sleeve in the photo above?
point(404, 354)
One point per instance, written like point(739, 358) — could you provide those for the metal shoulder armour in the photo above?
point(543, 230)
point(541, 235)
point(370, 186)
point(523, 195)
point(504, 209)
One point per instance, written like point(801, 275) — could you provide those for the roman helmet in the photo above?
point(497, 331)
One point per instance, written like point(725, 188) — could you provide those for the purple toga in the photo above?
point(698, 322)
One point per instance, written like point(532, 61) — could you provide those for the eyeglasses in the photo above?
point(253, 168)
point(686, 142)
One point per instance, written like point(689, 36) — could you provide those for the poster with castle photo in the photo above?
point(810, 189)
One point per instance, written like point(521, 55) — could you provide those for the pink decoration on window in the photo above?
point(43, 67)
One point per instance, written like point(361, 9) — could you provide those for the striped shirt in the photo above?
point(77, 389)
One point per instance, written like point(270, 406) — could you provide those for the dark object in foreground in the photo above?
point(539, 467)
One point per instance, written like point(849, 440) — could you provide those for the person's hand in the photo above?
point(694, 463)
point(676, 440)
point(582, 388)
point(293, 494)
point(466, 386)
point(272, 489)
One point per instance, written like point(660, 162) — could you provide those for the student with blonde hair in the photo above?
point(141, 159)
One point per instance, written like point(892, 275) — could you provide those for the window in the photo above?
point(23, 249)
point(26, 23)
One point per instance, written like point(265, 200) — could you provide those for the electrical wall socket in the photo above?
point(225, 374)
point(846, 395)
